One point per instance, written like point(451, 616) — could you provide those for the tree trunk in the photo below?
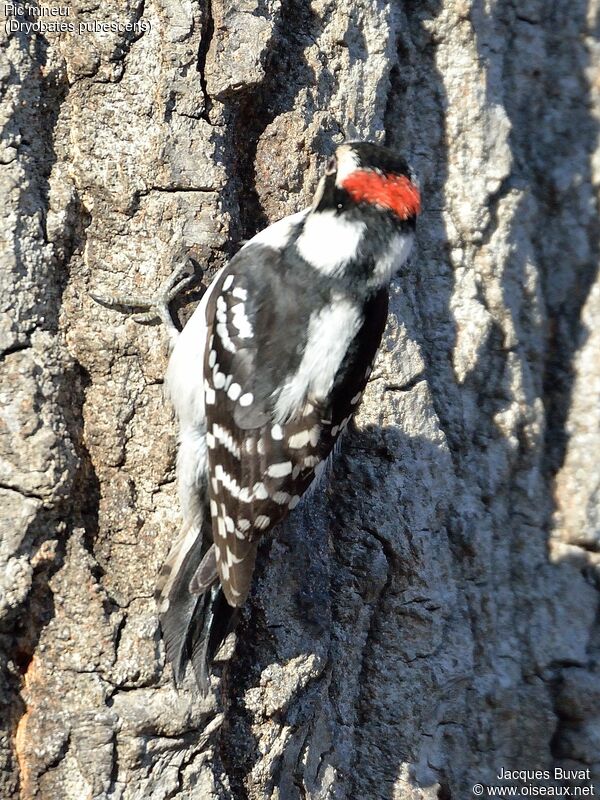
point(430, 618)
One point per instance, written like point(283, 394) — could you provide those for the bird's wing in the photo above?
point(259, 468)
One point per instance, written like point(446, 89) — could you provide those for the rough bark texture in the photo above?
point(432, 617)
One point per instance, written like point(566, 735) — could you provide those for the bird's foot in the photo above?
point(147, 310)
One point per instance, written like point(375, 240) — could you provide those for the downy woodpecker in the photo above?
point(265, 377)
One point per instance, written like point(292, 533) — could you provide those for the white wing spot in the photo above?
point(296, 471)
point(243, 524)
point(221, 312)
point(223, 334)
point(213, 509)
point(225, 570)
point(218, 379)
point(226, 439)
point(232, 559)
point(246, 495)
point(246, 399)
point(227, 481)
point(294, 501)
point(241, 322)
point(302, 438)
point(234, 391)
point(212, 359)
point(260, 491)
point(298, 440)
point(210, 440)
point(276, 433)
point(229, 524)
point(209, 393)
point(280, 470)
point(260, 446)
point(281, 497)
point(335, 430)
point(262, 522)
point(227, 282)
point(311, 461)
point(240, 293)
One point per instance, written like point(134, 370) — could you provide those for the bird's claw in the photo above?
point(148, 310)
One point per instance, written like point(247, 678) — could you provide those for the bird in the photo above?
point(265, 377)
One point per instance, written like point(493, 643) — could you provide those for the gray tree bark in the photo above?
point(432, 617)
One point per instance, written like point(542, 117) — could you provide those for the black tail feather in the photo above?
point(215, 622)
point(193, 625)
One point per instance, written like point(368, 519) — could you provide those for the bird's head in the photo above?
point(363, 215)
point(365, 177)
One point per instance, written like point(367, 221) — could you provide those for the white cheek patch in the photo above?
point(329, 241)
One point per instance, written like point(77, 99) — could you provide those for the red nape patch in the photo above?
point(395, 192)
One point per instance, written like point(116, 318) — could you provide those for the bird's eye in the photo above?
point(331, 166)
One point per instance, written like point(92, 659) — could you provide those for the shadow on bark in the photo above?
point(388, 722)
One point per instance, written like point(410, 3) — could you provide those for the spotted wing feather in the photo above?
point(259, 468)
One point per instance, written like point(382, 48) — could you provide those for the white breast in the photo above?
point(330, 332)
point(184, 380)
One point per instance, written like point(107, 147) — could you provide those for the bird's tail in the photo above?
point(194, 623)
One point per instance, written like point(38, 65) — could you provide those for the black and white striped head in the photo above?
point(367, 179)
point(362, 221)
